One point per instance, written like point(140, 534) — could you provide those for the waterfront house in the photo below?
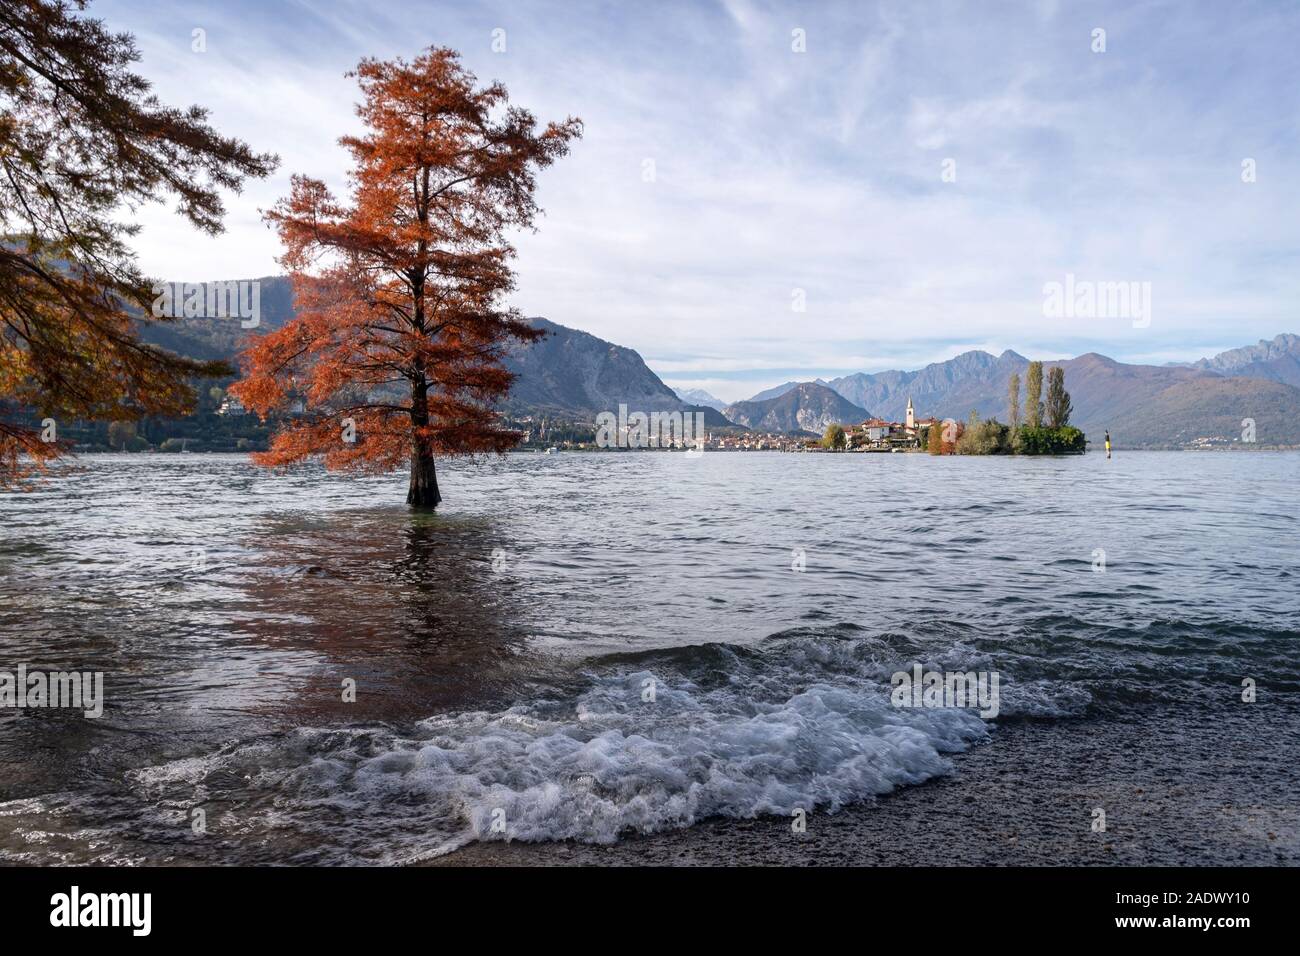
point(905, 434)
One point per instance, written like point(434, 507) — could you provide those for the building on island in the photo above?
point(881, 434)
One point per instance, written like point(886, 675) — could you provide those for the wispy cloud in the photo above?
point(783, 176)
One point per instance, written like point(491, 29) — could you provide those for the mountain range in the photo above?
point(1141, 405)
point(1277, 360)
point(574, 374)
point(808, 407)
point(567, 374)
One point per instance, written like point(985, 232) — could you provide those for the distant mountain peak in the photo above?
point(698, 396)
point(778, 390)
point(571, 372)
point(1276, 360)
point(805, 407)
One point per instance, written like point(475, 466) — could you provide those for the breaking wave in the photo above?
point(646, 742)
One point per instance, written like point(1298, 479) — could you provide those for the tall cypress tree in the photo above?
point(1059, 405)
point(403, 289)
point(1034, 395)
point(1013, 401)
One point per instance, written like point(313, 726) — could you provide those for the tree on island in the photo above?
point(1059, 405)
point(1057, 437)
point(834, 438)
point(396, 349)
point(81, 136)
point(989, 437)
point(1034, 395)
point(1066, 440)
point(1013, 401)
point(934, 440)
point(944, 437)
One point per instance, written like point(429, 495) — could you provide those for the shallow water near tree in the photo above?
point(502, 648)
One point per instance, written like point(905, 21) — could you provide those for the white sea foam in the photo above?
point(592, 768)
point(804, 723)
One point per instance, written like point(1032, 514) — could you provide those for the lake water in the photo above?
point(591, 646)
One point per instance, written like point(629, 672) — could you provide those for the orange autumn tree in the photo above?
point(396, 348)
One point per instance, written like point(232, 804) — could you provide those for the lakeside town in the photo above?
point(871, 435)
point(223, 424)
point(1044, 429)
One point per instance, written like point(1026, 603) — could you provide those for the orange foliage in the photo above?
point(68, 349)
point(82, 136)
point(399, 328)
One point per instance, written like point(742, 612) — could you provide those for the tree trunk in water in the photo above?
point(423, 492)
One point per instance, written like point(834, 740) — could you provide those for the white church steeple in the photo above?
point(911, 415)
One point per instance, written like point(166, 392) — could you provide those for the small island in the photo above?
point(1045, 430)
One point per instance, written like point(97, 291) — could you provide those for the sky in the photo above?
point(772, 192)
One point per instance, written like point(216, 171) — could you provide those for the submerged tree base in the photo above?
point(423, 491)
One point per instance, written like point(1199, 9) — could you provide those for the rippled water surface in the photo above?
point(590, 645)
